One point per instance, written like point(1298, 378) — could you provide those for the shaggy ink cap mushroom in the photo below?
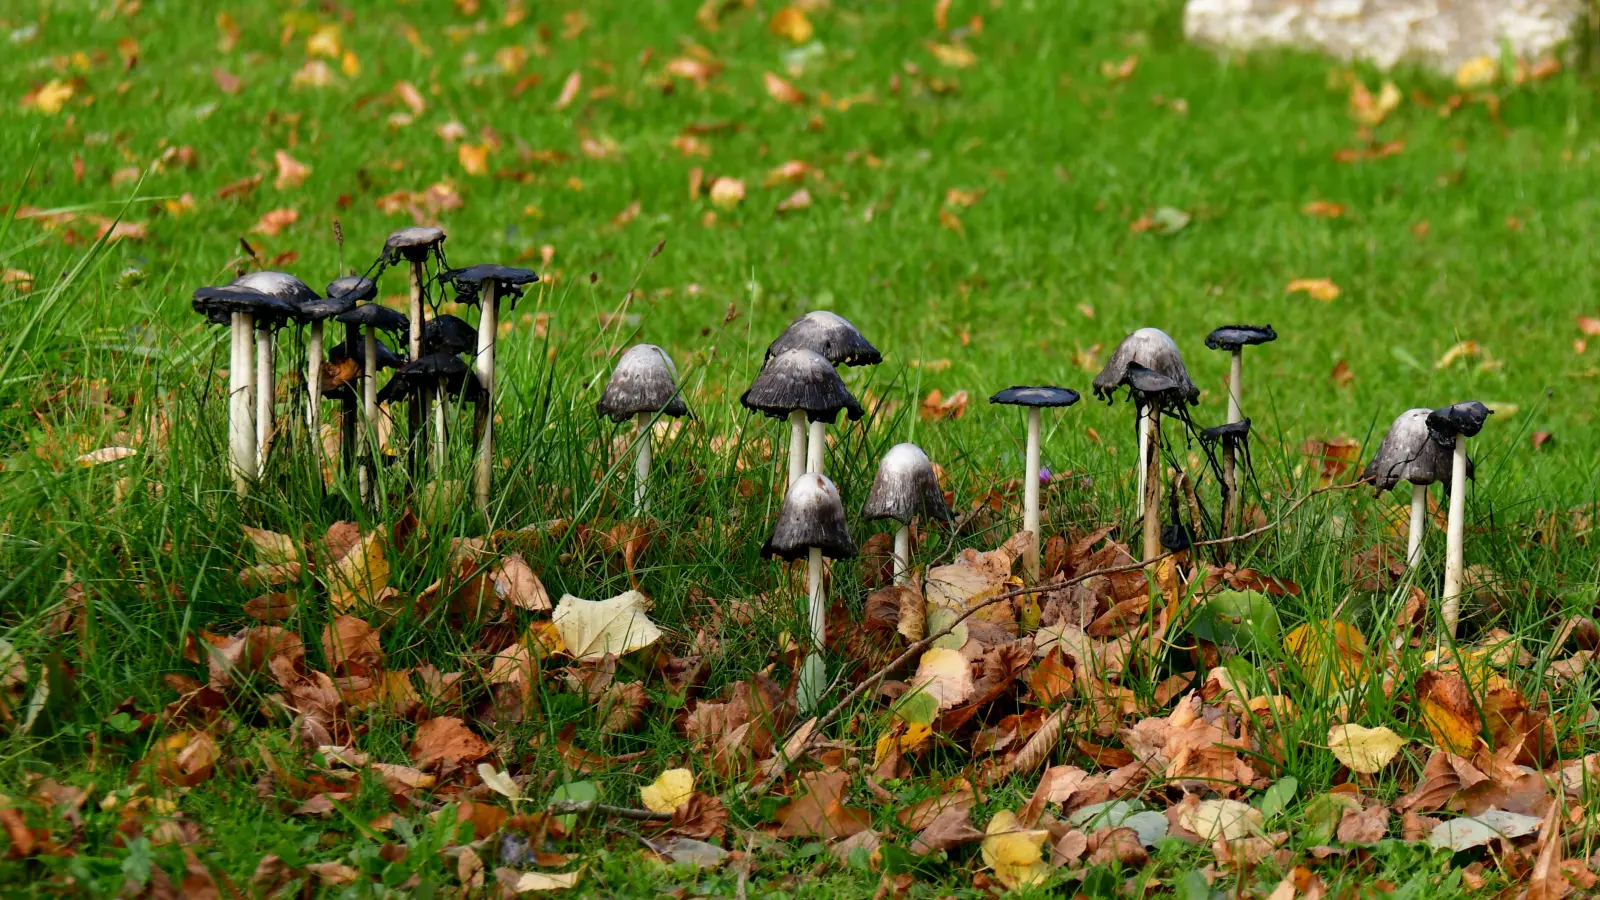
point(1151, 387)
point(218, 304)
point(1152, 349)
point(356, 288)
point(1408, 454)
point(1043, 396)
point(1233, 337)
point(1232, 433)
point(800, 380)
point(375, 316)
point(448, 334)
point(1464, 419)
point(412, 244)
point(469, 282)
point(424, 375)
point(812, 516)
point(385, 358)
point(906, 486)
point(644, 381)
point(278, 284)
point(830, 335)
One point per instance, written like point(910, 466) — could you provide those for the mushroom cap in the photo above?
point(1044, 395)
point(218, 303)
point(1149, 386)
point(385, 358)
point(1407, 454)
point(327, 307)
point(644, 381)
point(412, 243)
point(425, 373)
point(1232, 337)
point(448, 334)
point(830, 335)
point(804, 380)
point(278, 284)
point(357, 288)
point(906, 485)
point(1464, 419)
point(812, 516)
point(1152, 349)
point(509, 281)
point(375, 315)
point(1230, 433)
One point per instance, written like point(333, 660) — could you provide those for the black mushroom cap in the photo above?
point(1408, 454)
point(1149, 386)
point(356, 288)
point(424, 375)
point(1045, 395)
point(830, 335)
point(1464, 419)
point(341, 298)
point(906, 486)
point(449, 334)
point(1231, 434)
point(412, 243)
point(278, 284)
point(1232, 337)
point(376, 315)
point(812, 516)
point(219, 303)
point(385, 358)
point(1152, 349)
point(510, 280)
point(800, 380)
point(644, 381)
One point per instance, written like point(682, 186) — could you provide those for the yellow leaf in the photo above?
point(1226, 820)
point(1477, 72)
point(1364, 750)
point(273, 548)
point(52, 97)
point(592, 628)
point(350, 63)
point(1317, 288)
point(669, 791)
point(1460, 350)
point(324, 42)
point(914, 735)
point(1449, 712)
point(790, 22)
point(474, 158)
point(726, 193)
point(1332, 653)
point(953, 56)
point(1015, 854)
point(359, 576)
point(529, 882)
point(945, 675)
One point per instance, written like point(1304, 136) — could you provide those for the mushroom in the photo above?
point(1035, 399)
point(439, 374)
point(1408, 454)
point(238, 307)
point(414, 245)
point(342, 296)
point(906, 486)
point(811, 524)
point(370, 318)
point(294, 292)
point(1234, 338)
point(1149, 363)
point(1450, 426)
point(801, 384)
point(835, 339)
point(448, 334)
point(644, 383)
point(485, 285)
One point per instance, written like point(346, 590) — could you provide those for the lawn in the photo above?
point(996, 193)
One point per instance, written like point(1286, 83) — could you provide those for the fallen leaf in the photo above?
point(727, 193)
point(782, 91)
point(945, 675)
point(1323, 209)
point(593, 628)
point(800, 199)
point(1369, 110)
point(315, 73)
point(1016, 854)
point(1477, 72)
point(1225, 820)
point(1316, 288)
point(291, 172)
point(818, 810)
point(446, 740)
point(226, 81)
point(1449, 712)
point(474, 158)
point(275, 221)
point(51, 98)
point(954, 56)
point(1459, 351)
point(569, 90)
point(1475, 831)
point(669, 791)
point(411, 97)
point(1364, 750)
point(791, 22)
point(534, 882)
point(105, 455)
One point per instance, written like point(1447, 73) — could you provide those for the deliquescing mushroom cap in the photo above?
point(1407, 453)
point(509, 281)
point(1151, 387)
point(424, 374)
point(1464, 419)
point(828, 334)
point(1233, 433)
point(357, 288)
point(800, 380)
point(644, 381)
point(217, 304)
point(1152, 349)
point(412, 243)
point(1232, 337)
point(812, 516)
point(375, 315)
point(1044, 395)
point(278, 284)
point(384, 358)
point(449, 334)
point(905, 487)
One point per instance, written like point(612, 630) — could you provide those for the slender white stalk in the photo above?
point(1152, 496)
point(314, 386)
point(1230, 473)
point(369, 410)
point(419, 400)
point(1419, 521)
point(641, 467)
point(1144, 451)
point(1454, 559)
point(797, 446)
point(813, 673)
point(241, 390)
point(1030, 498)
point(1236, 388)
point(483, 363)
point(265, 378)
point(439, 445)
point(902, 554)
point(816, 444)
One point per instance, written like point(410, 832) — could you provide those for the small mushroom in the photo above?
point(811, 524)
point(1408, 454)
point(798, 385)
point(1234, 338)
point(414, 245)
point(1149, 364)
point(294, 292)
point(1449, 427)
point(906, 487)
point(835, 339)
point(1034, 399)
point(369, 319)
point(342, 296)
point(239, 306)
point(644, 383)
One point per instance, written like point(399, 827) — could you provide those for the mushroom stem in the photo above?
point(241, 386)
point(1152, 484)
point(797, 446)
point(1030, 498)
point(902, 554)
point(483, 462)
point(1144, 450)
point(418, 406)
point(369, 410)
point(314, 387)
point(438, 413)
point(1419, 519)
point(1454, 556)
point(812, 672)
point(641, 466)
point(816, 443)
point(1230, 477)
point(264, 373)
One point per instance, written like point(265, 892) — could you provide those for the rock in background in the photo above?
point(1444, 34)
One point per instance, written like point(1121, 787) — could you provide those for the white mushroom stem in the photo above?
point(1152, 484)
point(1230, 477)
point(812, 672)
point(314, 386)
point(483, 364)
point(439, 446)
point(1144, 451)
point(1419, 520)
point(369, 410)
point(902, 554)
point(797, 446)
point(241, 390)
point(1454, 559)
point(641, 466)
point(419, 399)
point(816, 443)
point(265, 373)
point(1030, 498)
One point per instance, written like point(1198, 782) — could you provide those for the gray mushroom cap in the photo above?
point(1044, 396)
point(800, 380)
point(356, 288)
point(1464, 419)
point(383, 359)
point(905, 487)
point(509, 280)
point(1234, 433)
point(218, 304)
point(1407, 453)
point(278, 284)
point(425, 373)
point(448, 334)
point(1232, 337)
point(1153, 349)
point(830, 335)
point(375, 315)
point(644, 381)
point(412, 243)
point(812, 516)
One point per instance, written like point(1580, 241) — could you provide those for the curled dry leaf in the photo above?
point(1364, 750)
point(1449, 712)
point(516, 583)
point(669, 791)
point(1322, 289)
point(818, 810)
point(446, 740)
point(184, 759)
point(275, 221)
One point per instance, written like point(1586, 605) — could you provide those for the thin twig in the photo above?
point(565, 807)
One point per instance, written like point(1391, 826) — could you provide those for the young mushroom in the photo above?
point(1034, 399)
point(835, 339)
point(293, 292)
point(1450, 426)
point(801, 384)
point(238, 307)
point(414, 245)
point(1408, 454)
point(906, 487)
point(644, 383)
point(1234, 338)
point(811, 524)
point(370, 318)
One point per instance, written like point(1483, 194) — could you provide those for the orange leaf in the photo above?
point(782, 91)
point(276, 221)
point(1448, 711)
point(1316, 288)
point(569, 90)
point(1323, 209)
point(790, 22)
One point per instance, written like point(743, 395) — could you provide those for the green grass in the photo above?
point(1044, 266)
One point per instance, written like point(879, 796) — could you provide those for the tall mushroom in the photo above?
point(906, 487)
point(1034, 399)
point(414, 245)
point(486, 285)
point(294, 292)
point(441, 375)
point(1407, 453)
point(1450, 426)
point(644, 383)
point(801, 383)
point(1234, 338)
point(835, 339)
point(238, 307)
point(342, 296)
point(370, 318)
point(1145, 353)
point(811, 524)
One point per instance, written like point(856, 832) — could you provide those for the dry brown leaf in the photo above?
point(782, 91)
point(1316, 288)
point(352, 647)
point(274, 222)
point(291, 172)
point(569, 90)
point(1449, 712)
point(817, 810)
point(447, 740)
